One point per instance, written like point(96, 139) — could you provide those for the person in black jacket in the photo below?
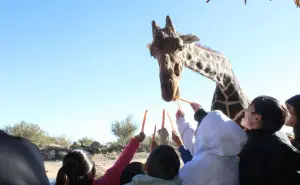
point(293, 106)
point(267, 158)
point(21, 162)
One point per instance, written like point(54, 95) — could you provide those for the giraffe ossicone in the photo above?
point(174, 51)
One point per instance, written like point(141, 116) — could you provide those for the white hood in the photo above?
point(218, 142)
point(219, 135)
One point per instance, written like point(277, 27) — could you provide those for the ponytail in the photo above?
point(61, 177)
point(77, 168)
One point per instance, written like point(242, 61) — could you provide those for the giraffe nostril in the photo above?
point(167, 86)
point(164, 86)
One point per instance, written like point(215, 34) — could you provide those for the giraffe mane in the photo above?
point(208, 49)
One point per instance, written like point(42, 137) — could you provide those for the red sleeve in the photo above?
point(112, 175)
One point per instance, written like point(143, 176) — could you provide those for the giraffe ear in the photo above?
point(189, 38)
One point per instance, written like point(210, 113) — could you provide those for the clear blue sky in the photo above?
point(73, 67)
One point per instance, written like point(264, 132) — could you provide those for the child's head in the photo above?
point(78, 168)
point(163, 163)
point(131, 170)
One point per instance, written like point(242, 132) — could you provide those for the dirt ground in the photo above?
point(102, 161)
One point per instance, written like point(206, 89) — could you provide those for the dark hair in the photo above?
point(163, 163)
point(295, 103)
point(272, 113)
point(131, 170)
point(77, 165)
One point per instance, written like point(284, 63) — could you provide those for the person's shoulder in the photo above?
point(24, 142)
point(279, 143)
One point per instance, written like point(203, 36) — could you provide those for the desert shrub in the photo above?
point(61, 140)
point(148, 140)
point(114, 147)
point(86, 141)
point(143, 148)
point(124, 129)
point(75, 145)
point(32, 132)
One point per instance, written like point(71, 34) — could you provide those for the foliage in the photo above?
point(124, 129)
point(148, 139)
point(30, 131)
point(85, 141)
point(75, 145)
point(61, 140)
point(114, 146)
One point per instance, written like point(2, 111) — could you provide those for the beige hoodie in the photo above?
point(148, 180)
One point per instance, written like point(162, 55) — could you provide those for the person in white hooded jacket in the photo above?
point(218, 141)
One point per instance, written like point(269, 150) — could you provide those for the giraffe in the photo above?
point(173, 51)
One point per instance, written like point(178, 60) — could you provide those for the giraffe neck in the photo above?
point(228, 96)
point(231, 100)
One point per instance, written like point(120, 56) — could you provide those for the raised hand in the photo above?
point(195, 106)
point(179, 114)
point(164, 136)
point(176, 139)
point(141, 137)
point(153, 145)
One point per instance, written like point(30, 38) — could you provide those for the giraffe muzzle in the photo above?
point(168, 90)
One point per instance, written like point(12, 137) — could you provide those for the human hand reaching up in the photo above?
point(195, 106)
point(153, 145)
point(176, 139)
point(164, 136)
point(179, 114)
point(141, 137)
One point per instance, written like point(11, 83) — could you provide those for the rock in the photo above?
point(61, 154)
point(50, 155)
point(95, 147)
point(56, 147)
point(54, 152)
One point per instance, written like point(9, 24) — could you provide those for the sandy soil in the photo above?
point(102, 161)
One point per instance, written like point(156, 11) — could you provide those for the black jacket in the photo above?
point(296, 143)
point(267, 159)
point(21, 162)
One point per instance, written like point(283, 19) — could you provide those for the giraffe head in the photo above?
point(167, 44)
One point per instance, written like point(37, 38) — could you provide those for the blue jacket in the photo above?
point(185, 154)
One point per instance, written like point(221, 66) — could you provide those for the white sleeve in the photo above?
point(187, 134)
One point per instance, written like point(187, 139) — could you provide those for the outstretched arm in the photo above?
point(164, 136)
point(187, 133)
point(185, 154)
point(112, 175)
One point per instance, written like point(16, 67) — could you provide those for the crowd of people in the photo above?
point(217, 152)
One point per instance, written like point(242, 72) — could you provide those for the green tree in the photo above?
point(32, 132)
point(86, 141)
point(124, 129)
